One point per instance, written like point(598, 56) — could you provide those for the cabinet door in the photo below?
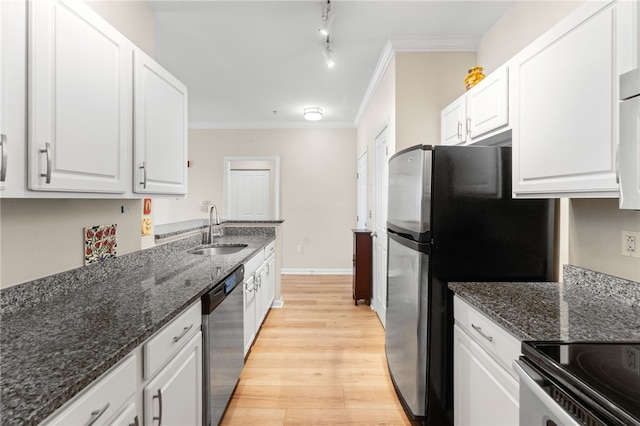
point(487, 104)
point(484, 394)
point(262, 297)
point(13, 94)
point(79, 100)
point(160, 134)
point(174, 396)
point(565, 105)
point(270, 287)
point(249, 303)
point(453, 122)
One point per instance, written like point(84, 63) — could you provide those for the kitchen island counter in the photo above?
point(587, 306)
point(62, 332)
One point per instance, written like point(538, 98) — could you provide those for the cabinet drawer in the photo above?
point(166, 342)
point(270, 249)
point(103, 399)
point(499, 343)
point(254, 263)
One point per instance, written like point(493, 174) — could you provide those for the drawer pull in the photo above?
point(159, 418)
point(95, 415)
point(184, 332)
point(135, 422)
point(47, 152)
point(5, 154)
point(479, 330)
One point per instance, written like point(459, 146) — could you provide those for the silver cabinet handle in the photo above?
point(248, 289)
point(159, 396)
point(135, 422)
point(469, 127)
point(459, 130)
point(479, 330)
point(618, 162)
point(144, 175)
point(95, 415)
point(184, 332)
point(5, 155)
point(374, 234)
point(47, 151)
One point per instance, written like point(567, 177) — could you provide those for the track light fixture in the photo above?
point(328, 54)
point(326, 23)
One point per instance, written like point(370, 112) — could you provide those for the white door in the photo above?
point(362, 191)
point(453, 122)
point(381, 177)
point(79, 100)
point(249, 197)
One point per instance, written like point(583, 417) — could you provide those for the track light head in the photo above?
point(326, 24)
point(328, 54)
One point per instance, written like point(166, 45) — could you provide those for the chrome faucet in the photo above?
point(211, 234)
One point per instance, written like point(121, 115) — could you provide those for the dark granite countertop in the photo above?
point(178, 228)
point(84, 321)
point(587, 306)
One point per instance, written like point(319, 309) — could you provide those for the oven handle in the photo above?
point(534, 382)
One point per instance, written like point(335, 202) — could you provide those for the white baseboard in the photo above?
point(279, 303)
point(301, 271)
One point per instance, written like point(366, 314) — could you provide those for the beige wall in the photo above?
point(44, 237)
point(594, 227)
point(595, 237)
point(521, 24)
point(426, 83)
point(317, 187)
point(134, 19)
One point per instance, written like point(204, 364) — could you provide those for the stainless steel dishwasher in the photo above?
point(223, 346)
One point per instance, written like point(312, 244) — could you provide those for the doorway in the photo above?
point(252, 188)
point(380, 189)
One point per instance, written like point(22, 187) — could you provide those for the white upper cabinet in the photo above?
point(160, 129)
point(488, 104)
point(13, 89)
point(564, 103)
point(453, 121)
point(79, 100)
point(480, 113)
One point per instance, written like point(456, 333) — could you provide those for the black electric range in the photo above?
point(596, 383)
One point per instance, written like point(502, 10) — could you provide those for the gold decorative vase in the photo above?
point(474, 76)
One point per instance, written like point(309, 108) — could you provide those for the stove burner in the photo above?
point(610, 371)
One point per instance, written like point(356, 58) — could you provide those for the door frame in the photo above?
point(226, 179)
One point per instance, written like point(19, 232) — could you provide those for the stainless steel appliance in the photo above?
point(223, 346)
point(629, 142)
point(567, 384)
point(451, 218)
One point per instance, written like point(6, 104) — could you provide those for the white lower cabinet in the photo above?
point(259, 292)
point(159, 383)
point(485, 386)
point(104, 399)
point(174, 395)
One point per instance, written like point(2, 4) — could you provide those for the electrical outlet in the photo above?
point(299, 248)
point(631, 358)
point(630, 244)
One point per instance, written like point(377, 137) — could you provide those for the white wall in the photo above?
point(594, 227)
point(44, 237)
point(317, 187)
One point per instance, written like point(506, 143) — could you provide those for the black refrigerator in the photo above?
point(451, 218)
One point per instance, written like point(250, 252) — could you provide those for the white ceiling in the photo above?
point(243, 60)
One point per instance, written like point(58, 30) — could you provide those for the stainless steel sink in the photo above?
point(217, 249)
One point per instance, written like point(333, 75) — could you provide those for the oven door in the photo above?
point(537, 407)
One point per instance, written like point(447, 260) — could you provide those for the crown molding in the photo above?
point(267, 125)
point(394, 45)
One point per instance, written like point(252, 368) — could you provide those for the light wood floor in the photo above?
point(318, 360)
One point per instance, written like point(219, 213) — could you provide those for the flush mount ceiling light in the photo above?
point(326, 23)
point(328, 54)
point(313, 113)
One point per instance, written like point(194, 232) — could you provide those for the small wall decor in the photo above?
point(99, 243)
point(146, 226)
point(146, 209)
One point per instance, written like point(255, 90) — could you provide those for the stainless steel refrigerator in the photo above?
point(451, 218)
